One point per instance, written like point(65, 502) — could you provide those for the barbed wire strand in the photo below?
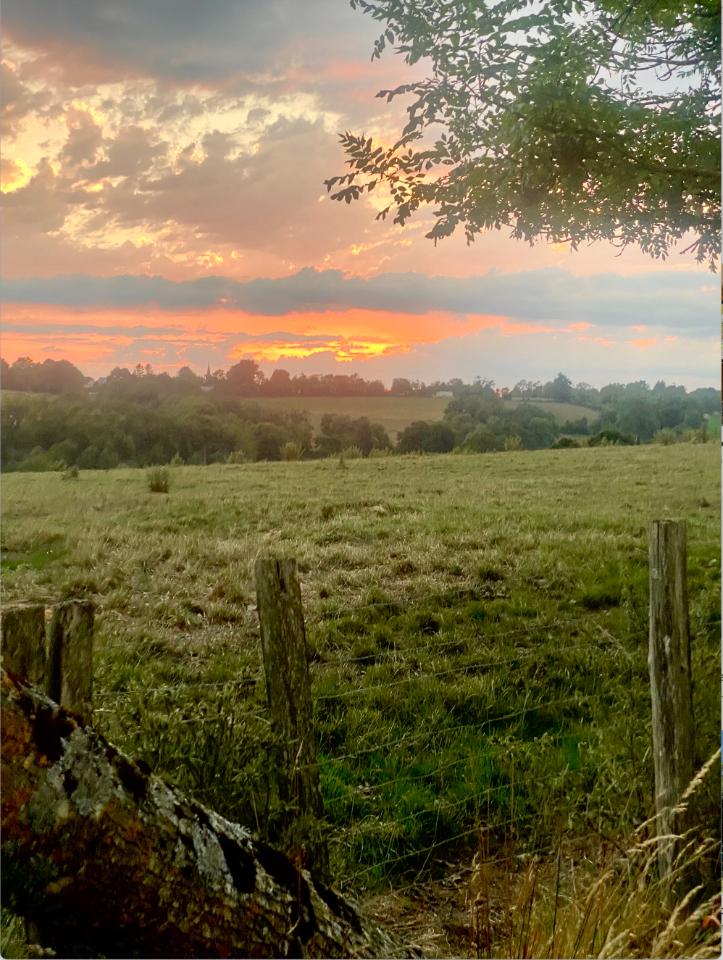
point(173, 686)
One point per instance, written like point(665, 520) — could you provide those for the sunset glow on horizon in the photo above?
point(164, 203)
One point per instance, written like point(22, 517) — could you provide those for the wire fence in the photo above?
point(401, 794)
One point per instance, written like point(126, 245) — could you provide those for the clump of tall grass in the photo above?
point(619, 907)
point(666, 436)
point(292, 450)
point(352, 453)
point(158, 479)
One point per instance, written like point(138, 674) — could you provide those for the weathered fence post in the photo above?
point(24, 644)
point(670, 678)
point(288, 689)
point(70, 657)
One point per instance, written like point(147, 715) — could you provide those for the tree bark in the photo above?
point(24, 642)
point(107, 860)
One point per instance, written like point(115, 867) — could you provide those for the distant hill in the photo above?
point(396, 413)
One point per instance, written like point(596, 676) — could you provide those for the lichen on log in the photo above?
point(104, 858)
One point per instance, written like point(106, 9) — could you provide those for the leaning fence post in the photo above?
point(670, 678)
point(70, 659)
point(24, 644)
point(288, 689)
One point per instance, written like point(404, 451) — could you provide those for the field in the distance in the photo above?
point(396, 413)
point(477, 626)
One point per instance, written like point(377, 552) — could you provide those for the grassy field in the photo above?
point(396, 413)
point(477, 626)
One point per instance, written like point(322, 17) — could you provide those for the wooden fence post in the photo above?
point(670, 678)
point(288, 689)
point(24, 643)
point(70, 657)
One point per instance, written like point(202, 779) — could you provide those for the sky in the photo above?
point(163, 174)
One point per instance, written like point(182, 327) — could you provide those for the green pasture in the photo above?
point(477, 629)
point(394, 413)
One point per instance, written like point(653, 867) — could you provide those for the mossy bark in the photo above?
point(107, 860)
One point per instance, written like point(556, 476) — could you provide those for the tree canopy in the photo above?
point(568, 120)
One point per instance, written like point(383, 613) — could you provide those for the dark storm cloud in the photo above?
point(674, 301)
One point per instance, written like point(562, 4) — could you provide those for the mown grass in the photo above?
point(477, 628)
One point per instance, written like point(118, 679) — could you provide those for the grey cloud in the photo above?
point(184, 40)
point(129, 155)
point(674, 301)
point(38, 207)
point(18, 100)
point(84, 139)
point(31, 327)
point(266, 201)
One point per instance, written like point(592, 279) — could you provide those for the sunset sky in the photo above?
point(162, 175)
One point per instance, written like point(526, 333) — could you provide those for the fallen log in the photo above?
point(105, 859)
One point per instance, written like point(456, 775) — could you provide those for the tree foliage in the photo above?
point(568, 120)
point(50, 376)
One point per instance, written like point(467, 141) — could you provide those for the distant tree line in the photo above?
point(138, 418)
point(481, 419)
point(246, 379)
point(50, 376)
point(51, 433)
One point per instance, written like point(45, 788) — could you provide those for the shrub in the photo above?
point(40, 461)
point(611, 437)
point(564, 443)
point(177, 460)
point(237, 456)
point(71, 473)
point(513, 442)
point(158, 479)
point(482, 440)
point(424, 437)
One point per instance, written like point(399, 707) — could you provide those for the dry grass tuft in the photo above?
point(618, 907)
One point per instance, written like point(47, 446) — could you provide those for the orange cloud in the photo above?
point(90, 334)
point(643, 343)
point(344, 350)
point(600, 341)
